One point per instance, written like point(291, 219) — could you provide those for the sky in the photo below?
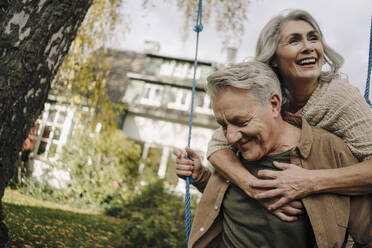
point(345, 25)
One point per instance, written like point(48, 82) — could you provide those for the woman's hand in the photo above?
point(187, 167)
point(289, 211)
point(291, 182)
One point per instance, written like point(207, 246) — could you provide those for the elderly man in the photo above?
point(246, 101)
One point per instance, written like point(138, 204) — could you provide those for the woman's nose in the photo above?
point(307, 46)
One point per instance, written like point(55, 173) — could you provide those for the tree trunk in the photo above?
point(35, 35)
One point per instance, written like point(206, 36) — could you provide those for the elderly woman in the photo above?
point(294, 47)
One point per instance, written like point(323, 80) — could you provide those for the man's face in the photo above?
point(248, 125)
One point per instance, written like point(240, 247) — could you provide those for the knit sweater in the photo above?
point(337, 107)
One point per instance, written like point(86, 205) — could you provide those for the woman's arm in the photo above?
point(294, 182)
point(228, 165)
point(351, 180)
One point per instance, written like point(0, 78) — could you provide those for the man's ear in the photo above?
point(275, 103)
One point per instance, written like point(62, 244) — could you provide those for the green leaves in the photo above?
point(33, 223)
point(81, 79)
point(103, 168)
point(155, 218)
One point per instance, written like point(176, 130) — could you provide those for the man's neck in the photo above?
point(287, 137)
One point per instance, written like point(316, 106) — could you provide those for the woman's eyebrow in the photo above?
point(291, 35)
point(313, 32)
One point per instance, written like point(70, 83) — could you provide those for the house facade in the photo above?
point(157, 93)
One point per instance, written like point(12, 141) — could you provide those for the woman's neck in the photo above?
point(300, 93)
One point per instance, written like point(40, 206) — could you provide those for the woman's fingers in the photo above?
point(297, 204)
point(282, 166)
point(287, 209)
point(263, 184)
point(269, 194)
point(278, 204)
point(284, 217)
point(268, 174)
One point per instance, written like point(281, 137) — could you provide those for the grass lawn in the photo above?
point(36, 223)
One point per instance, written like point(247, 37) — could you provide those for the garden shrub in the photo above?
point(103, 168)
point(155, 218)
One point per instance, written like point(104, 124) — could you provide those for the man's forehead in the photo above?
point(233, 114)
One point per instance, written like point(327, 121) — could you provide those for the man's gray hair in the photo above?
point(257, 77)
point(269, 37)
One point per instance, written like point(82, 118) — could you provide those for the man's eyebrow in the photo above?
point(219, 121)
point(239, 119)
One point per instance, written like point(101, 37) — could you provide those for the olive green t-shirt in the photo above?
point(246, 223)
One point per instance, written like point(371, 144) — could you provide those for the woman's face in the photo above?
point(299, 56)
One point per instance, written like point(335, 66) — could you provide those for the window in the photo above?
point(181, 70)
point(203, 103)
point(179, 99)
point(190, 74)
point(166, 69)
point(152, 66)
point(53, 130)
point(133, 93)
point(152, 95)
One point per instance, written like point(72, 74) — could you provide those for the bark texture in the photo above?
point(35, 35)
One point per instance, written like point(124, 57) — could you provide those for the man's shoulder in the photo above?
point(322, 135)
point(329, 147)
point(328, 143)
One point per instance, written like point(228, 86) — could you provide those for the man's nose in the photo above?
point(233, 135)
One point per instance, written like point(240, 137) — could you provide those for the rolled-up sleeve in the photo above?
point(217, 142)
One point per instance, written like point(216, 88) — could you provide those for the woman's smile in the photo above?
point(299, 56)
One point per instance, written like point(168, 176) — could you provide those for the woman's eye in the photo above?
point(314, 37)
point(291, 41)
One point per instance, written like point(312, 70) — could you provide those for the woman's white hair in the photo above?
point(269, 37)
point(256, 77)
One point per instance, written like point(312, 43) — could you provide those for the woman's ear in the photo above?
point(274, 62)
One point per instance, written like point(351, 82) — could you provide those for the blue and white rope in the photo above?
point(366, 92)
point(198, 28)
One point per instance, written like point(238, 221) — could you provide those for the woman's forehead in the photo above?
point(295, 26)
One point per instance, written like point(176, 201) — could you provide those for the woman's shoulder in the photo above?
point(338, 89)
point(332, 100)
point(341, 84)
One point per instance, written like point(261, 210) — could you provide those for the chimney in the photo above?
point(231, 53)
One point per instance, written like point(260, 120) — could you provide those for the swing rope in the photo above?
point(198, 28)
point(366, 92)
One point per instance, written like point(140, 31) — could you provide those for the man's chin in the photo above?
point(251, 157)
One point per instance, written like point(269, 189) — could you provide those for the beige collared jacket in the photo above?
point(329, 214)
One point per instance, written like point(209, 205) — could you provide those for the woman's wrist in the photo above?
point(229, 166)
